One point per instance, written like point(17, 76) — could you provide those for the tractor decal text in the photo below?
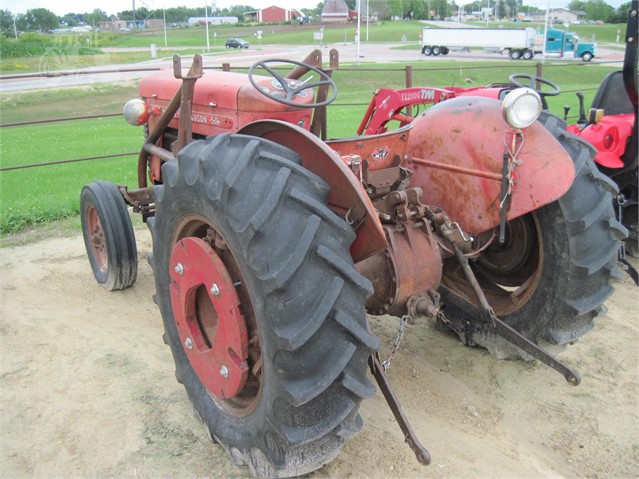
point(204, 119)
point(422, 94)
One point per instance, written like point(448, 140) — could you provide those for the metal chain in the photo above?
point(398, 339)
point(470, 327)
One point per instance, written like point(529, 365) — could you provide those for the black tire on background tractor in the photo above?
point(108, 235)
point(427, 50)
point(436, 50)
point(300, 300)
point(552, 276)
point(528, 54)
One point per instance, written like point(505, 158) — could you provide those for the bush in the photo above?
point(32, 45)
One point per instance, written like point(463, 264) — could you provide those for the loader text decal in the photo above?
point(422, 94)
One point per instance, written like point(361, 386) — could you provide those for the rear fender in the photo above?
point(456, 151)
point(346, 191)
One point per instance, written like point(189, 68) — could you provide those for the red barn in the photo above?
point(272, 14)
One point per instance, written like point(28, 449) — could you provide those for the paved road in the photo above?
point(382, 53)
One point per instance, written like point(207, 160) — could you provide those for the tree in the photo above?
point(595, 9)
point(6, 23)
point(95, 17)
point(620, 15)
point(512, 6)
point(40, 19)
point(379, 8)
point(70, 19)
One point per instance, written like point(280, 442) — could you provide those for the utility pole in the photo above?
point(164, 18)
point(359, 26)
point(206, 16)
point(134, 23)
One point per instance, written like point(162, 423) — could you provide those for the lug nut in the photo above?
point(188, 343)
point(215, 290)
point(179, 269)
point(224, 372)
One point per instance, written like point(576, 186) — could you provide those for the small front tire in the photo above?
point(108, 235)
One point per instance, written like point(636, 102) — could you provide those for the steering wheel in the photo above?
point(291, 87)
point(531, 80)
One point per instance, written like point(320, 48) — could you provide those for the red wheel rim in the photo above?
point(206, 309)
point(97, 240)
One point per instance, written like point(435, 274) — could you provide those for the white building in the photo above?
point(195, 21)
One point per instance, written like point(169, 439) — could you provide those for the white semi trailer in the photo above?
point(518, 43)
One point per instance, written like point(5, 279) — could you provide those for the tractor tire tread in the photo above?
point(273, 211)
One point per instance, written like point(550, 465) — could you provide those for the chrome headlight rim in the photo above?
point(521, 107)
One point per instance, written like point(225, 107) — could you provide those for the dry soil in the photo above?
point(87, 390)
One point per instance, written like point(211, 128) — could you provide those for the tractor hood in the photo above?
point(227, 90)
point(224, 101)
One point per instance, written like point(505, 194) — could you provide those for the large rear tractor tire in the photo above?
point(262, 306)
point(552, 276)
point(108, 235)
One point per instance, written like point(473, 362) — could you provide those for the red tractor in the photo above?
point(271, 244)
point(611, 127)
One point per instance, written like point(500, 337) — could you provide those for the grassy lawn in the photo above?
point(39, 195)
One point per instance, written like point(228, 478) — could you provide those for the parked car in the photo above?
point(236, 43)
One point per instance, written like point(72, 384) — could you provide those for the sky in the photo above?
point(61, 7)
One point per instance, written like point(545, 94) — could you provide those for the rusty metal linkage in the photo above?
point(422, 455)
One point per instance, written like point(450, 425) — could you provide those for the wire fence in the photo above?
point(409, 73)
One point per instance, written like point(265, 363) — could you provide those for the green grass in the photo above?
point(272, 34)
point(39, 195)
point(39, 64)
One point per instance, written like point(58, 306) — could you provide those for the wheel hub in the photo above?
point(211, 327)
point(97, 239)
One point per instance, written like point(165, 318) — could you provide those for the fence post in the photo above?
point(409, 84)
point(539, 73)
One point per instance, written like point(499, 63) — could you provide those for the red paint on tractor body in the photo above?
point(456, 151)
point(609, 137)
point(223, 102)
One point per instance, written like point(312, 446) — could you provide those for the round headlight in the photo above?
point(521, 107)
point(136, 112)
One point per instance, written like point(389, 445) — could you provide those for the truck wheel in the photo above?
point(108, 235)
point(436, 51)
point(528, 54)
point(445, 50)
point(515, 54)
point(587, 56)
point(552, 276)
point(262, 306)
point(427, 50)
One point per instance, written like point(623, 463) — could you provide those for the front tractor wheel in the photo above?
point(108, 235)
point(550, 278)
point(262, 306)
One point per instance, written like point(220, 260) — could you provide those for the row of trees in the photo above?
point(424, 9)
point(43, 20)
point(600, 10)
